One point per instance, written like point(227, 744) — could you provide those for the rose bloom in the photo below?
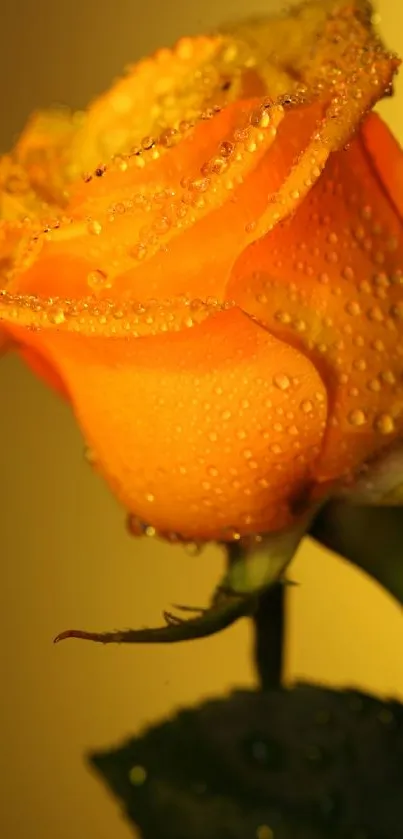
point(208, 264)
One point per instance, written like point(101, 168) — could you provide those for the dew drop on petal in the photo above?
point(357, 417)
point(353, 308)
point(306, 406)
point(94, 227)
point(98, 280)
point(281, 381)
point(384, 423)
point(56, 315)
point(388, 377)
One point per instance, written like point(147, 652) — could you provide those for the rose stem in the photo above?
point(269, 628)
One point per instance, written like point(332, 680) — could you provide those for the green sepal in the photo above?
point(369, 537)
point(253, 568)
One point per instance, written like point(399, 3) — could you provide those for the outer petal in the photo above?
point(203, 432)
point(386, 156)
point(330, 281)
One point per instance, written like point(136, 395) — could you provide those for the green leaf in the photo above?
point(300, 763)
point(369, 537)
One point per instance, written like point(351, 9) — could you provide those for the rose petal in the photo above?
point(158, 98)
point(330, 281)
point(230, 446)
point(149, 222)
point(35, 176)
point(125, 254)
point(386, 155)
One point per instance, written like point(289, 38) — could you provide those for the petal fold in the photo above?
point(330, 282)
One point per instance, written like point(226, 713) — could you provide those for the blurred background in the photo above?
point(66, 558)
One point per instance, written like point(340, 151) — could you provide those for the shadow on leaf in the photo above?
point(300, 763)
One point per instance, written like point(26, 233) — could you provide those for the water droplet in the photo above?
point(374, 385)
point(94, 227)
point(378, 345)
point(366, 212)
point(282, 317)
point(98, 280)
point(360, 364)
point(56, 315)
point(137, 775)
point(226, 149)
point(384, 423)
point(388, 377)
point(324, 278)
point(397, 311)
point(281, 381)
point(348, 273)
point(150, 497)
point(306, 406)
point(353, 308)
point(375, 313)
point(385, 716)
point(357, 417)
point(264, 832)
point(397, 277)
point(90, 455)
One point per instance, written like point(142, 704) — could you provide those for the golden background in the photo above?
point(65, 557)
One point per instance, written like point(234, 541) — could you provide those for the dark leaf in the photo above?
point(300, 763)
point(370, 537)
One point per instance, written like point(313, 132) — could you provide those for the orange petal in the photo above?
point(152, 224)
point(387, 158)
point(204, 432)
point(35, 176)
point(160, 97)
point(150, 245)
point(330, 281)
